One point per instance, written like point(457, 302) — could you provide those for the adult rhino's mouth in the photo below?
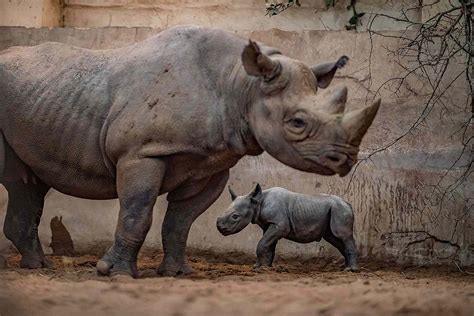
point(331, 163)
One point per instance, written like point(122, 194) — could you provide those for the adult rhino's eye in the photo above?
point(298, 126)
point(235, 216)
point(298, 122)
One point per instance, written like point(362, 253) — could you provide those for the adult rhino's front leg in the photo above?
point(138, 186)
point(185, 205)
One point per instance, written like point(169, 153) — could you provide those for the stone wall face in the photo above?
point(394, 194)
point(244, 15)
point(31, 13)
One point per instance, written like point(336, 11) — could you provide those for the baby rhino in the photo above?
point(297, 217)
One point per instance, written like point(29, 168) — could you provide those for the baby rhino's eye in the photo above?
point(235, 216)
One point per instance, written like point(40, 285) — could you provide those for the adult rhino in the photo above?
point(169, 115)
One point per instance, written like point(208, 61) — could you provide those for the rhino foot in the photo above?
point(351, 269)
point(111, 267)
point(259, 267)
point(172, 269)
point(34, 262)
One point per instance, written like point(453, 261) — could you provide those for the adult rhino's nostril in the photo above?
point(339, 163)
point(336, 159)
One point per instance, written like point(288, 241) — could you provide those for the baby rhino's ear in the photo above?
point(257, 193)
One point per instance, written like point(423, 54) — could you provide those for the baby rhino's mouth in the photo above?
point(222, 229)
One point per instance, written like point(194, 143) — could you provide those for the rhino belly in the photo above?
point(306, 236)
point(71, 167)
point(61, 146)
point(308, 224)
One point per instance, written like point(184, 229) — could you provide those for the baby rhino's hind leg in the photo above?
point(341, 236)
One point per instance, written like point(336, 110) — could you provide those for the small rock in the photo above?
point(366, 282)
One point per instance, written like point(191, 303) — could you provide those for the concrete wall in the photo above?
point(393, 195)
point(31, 13)
point(241, 15)
point(227, 14)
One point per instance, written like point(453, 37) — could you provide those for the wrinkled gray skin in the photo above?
point(297, 217)
point(169, 115)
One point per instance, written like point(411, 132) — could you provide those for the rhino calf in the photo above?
point(297, 217)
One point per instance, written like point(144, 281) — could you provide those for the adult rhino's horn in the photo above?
point(356, 123)
point(337, 101)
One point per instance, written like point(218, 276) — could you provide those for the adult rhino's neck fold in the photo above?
point(238, 92)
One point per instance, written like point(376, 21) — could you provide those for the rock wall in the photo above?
point(31, 13)
point(244, 15)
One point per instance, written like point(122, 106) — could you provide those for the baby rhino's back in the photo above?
point(309, 215)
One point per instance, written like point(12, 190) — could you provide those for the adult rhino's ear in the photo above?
point(233, 196)
point(325, 72)
point(258, 64)
point(257, 193)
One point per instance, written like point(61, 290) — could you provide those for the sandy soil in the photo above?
point(227, 285)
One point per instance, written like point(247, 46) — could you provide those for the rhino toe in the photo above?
point(110, 267)
point(103, 267)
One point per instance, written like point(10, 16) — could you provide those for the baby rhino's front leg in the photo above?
point(266, 246)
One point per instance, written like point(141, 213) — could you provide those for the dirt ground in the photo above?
point(226, 284)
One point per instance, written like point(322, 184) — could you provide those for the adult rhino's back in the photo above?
point(59, 101)
point(55, 99)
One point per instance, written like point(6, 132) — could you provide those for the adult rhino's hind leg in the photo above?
point(24, 210)
point(26, 194)
point(185, 205)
